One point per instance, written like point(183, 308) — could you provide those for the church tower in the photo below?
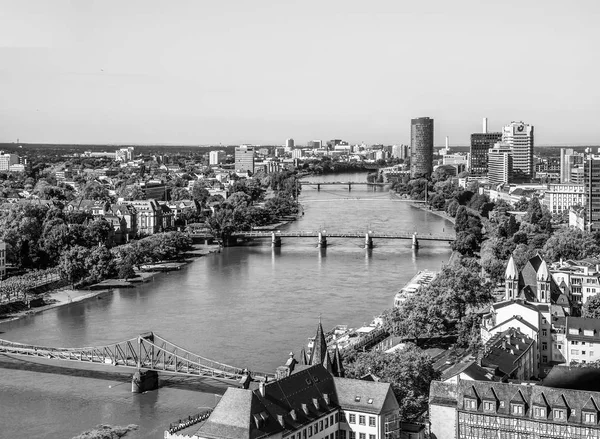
point(511, 280)
point(543, 283)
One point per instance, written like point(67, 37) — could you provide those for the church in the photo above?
point(534, 304)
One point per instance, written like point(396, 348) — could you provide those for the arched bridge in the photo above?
point(147, 351)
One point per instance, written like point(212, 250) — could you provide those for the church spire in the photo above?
point(319, 346)
point(338, 366)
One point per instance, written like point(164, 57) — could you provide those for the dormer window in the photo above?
point(559, 414)
point(589, 417)
point(517, 409)
point(370, 401)
point(470, 404)
point(539, 412)
point(357, 398)
point(489, 406)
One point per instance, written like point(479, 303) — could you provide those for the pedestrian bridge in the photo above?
point(148, 352)
point(318, 184)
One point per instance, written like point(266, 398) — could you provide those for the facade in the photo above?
point(2, 259)
point(421, 146)
point(149, 216)
point(297, 153)
point(244, 159)
point(500, 164)
point(477, 410)
point(124, 154)
point(481, 143)
point(8, 160)
point(569, 161)
point(216, 157)
point(400, 151)
point(592, 193)
point(289, 143)
point(579, 279)
point(519, 136)
point(560, 197)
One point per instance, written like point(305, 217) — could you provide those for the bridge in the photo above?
point(148, 353)
point(340, 183)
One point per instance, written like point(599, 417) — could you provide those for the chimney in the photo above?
point(485, 125)
point(261, 388)
point(447, 143)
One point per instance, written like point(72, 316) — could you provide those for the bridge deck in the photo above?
point(312, 234)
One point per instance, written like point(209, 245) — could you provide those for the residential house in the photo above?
point(149, 216)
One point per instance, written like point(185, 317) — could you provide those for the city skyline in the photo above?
point(259, 73)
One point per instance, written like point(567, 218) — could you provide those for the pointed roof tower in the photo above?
point(327, 362)
point(338, 366)
point(319, 347)
point(543, 274)
point(303, 360)
point(512, 272)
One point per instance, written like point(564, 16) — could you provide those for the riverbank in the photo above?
point(67, 296)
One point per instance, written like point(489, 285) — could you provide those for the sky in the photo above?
point(260, 71)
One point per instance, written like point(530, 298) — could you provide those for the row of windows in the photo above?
point(530, 426)
point(352, 435)
point(351, 419)
point(316, 427)
point(519, 410)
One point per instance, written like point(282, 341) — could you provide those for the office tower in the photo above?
point(591, 179)
point(289, 143)
point(244, 158)
point(570, 161)
point(500, 164)
point(400, 151)
point(481, 143)
point(216, 157)
point(421, 147)
point(520, 138)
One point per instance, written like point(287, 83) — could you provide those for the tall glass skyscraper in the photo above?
point(481, 143)
point(421, 147)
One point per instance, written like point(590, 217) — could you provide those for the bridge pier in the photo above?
point(144, 380)
point(349, 187)
point(318, 187)
point(415, 242)
point(322, 240)
point(275, 240)
point(368, 241)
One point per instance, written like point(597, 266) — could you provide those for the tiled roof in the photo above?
point(365, 396)
point(504, 349)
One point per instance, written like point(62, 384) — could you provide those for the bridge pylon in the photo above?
point(415, 241)
point(275, 240)
point(322, 240)
point(368, 240)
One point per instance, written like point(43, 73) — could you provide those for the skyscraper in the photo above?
point(500, 164)
point(481, 143)
point(244, 158)
point(569, 161)
point(421, 147)
point(591, 177)
point(520, 138)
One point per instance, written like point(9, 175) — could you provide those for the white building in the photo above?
point(519, 136)
point(216, 157)
point(297, 153)
point(8, 160)
point(244, 158)
point(124, 154)
point(500, 164)
point(560, 197)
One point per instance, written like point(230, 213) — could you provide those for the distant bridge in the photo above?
point(147, 351)
point(318, 184)
point(321, 236)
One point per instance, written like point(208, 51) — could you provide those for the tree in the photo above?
point(179, 193)
point(570, 244)
point(200, 193)
point(522, 205)
point(409, 371)
point(107, 432)
point(100, 264)
point(126, 270)
point(98, 232)
point(72, 264)
point(591, 308)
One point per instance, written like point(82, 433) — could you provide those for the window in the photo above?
point(371, 436)
point(559, 346)
point(574, 352)
point(310, 431)
point(582, 352)
point(591, 353)
point(539, 412)
point(544, 346)
point(544, 359)
point(470, 403)
point(558, 414)
point(362, 435)
point(352, 435)
point(544, 332)
point(326, 422)
point(304, 433)
point(488, 406)
point(362, 420)
point(516, 409)
point(371, 421)
point(589, 418)
point(321, 425)
point(352, 418)
point(342, 434)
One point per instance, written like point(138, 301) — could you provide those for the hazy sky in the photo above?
point(258, 71)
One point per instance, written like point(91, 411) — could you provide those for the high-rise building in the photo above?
point(421, 147)
point(289, 143)
point(591, 178)
point(481, 143)
point(500, 164)
point(244, 158)
point(520, 138)
point(216, 157)
point(124, 154)
point(569, 161)
point(7, 160)
point(400, 151)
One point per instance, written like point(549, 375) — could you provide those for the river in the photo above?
point(246, 306)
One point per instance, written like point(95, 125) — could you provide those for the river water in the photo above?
point(246, 306)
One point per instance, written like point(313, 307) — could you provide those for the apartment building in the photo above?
point(477, 410)
point(560, 197)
